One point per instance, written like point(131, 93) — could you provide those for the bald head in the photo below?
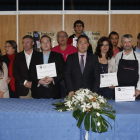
point(62, 38)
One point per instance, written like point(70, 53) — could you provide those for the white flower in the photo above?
point(96, 105)
point(69, 109)
point(60, 110)
point(98, 114)
point(86, 91)
point(68, 103)
point(89, 96)
point(85, 106)
point(101, 99)
point(98, 124)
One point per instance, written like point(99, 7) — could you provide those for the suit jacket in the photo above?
point(70, 41)
point(20, 72)
point(74, 78)
point(54, 89)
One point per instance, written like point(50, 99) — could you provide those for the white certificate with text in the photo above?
point(108, 79)
point(124, 94)
point(44, 70)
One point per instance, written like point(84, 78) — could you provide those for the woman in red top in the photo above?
point(11, 51)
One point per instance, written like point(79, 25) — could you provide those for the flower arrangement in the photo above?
point(88, 107)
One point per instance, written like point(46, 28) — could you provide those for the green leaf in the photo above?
point(112, 116)
point(110, 111)
point(82, 115)
point(102, 127)
point(76, 113)
point(87, 122)
point(93, 123)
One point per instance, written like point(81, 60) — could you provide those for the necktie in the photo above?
point(82, 63)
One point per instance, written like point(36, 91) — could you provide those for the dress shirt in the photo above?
point(130, 56)
point(46, 57)
point(137, 49)
point(84, 57)
point(45, 60)
point(28, 60)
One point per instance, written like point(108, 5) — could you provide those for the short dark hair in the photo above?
point(13, 44)
point(100, 43)
point(138, 36)
point(113, 33)
point(45, 36)
point(83, 36)
point(28, 36)
point(78, 22)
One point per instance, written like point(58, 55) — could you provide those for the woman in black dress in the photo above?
point(104, 51)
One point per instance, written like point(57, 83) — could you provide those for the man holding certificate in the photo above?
point(47, 71)
point(128, 65)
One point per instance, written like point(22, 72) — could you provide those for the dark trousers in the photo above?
point(12, 94)
point(64, 91)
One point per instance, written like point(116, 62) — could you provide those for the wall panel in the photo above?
point(7, 29)
point(38, 23)
point(92, 23)
point(126, 24)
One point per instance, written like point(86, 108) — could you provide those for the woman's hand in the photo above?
point(1, 94)
point(8, 80)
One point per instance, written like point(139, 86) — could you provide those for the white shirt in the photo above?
point(130, 56)
point(28, 60)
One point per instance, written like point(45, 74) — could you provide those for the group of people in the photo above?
point(76, 65)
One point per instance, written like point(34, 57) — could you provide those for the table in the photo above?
point(126, 125)
point(36, 119)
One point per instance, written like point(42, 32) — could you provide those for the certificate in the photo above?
point(108, 79)
point(44, 70)
point(124, 94)
point(74, 42)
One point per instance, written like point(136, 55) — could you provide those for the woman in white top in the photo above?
point(4, 93)
point(104, 51)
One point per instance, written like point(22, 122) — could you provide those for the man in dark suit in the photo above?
point(21, 66)
point(47, 87)
point(82, 68)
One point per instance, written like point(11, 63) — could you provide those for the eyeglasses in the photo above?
point(7, 46)
point(59, 36)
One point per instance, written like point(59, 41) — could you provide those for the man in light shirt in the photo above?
point(21, 66)
point(82, 68)
point(137, 48)
point(128, 65)
point(47, 87)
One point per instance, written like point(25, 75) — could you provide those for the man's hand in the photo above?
point(48, 80)
point(42, 81)
point(112, 87)
point(28, 84)
point(137, 92)
point(8, 80)
point(71, 93)
point(1, 94)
